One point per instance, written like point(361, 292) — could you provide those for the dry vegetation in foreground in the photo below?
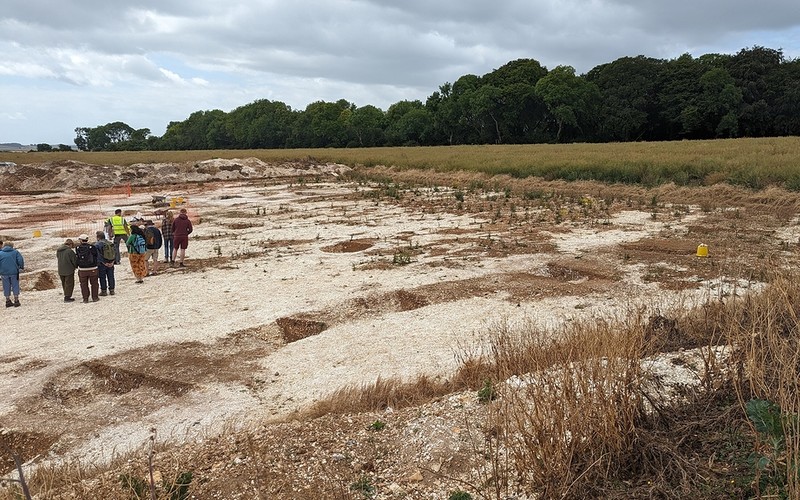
point(582, 419)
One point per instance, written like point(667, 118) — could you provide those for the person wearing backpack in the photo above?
point(105, 264)
point(67, 263)
point(87, 268)
point(153, 242)
point(136, 250)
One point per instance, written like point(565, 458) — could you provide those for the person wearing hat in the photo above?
point(153, 242)
point(11, 263)
point(87, 268)
point(67, 264)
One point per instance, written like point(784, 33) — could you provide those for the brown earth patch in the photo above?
point(358, 245)
point(243, 225)
point(663, 246)
point(25, 445)
point(295, 328)
point(46, 280)
point(120, 380)
point(284, 243)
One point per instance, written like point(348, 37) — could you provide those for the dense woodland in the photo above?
point(754, 93)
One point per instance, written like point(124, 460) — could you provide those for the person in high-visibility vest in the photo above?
point(118, 230)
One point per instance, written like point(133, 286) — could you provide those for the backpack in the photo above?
point(152, 238)
point(109, 255)
point(87, 255)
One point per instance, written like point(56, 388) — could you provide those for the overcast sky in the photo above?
point(83, 63)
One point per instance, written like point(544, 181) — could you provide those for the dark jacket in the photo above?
point(90, 249)
point(181, 226)
point(67, 260)
point(157, 240)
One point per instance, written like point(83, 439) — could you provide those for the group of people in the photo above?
point(95, 261)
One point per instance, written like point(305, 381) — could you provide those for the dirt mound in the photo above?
point(67, 175)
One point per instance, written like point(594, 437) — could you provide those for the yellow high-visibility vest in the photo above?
point(119, 225)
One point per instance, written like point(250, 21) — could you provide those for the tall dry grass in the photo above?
point(577, 419)
point(766, 331)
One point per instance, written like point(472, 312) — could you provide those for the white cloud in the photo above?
point(146, 62)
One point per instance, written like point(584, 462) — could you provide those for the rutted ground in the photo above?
point(295, 288)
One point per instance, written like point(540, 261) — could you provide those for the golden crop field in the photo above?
point(753, 163)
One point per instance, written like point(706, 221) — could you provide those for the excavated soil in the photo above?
point(292, 291)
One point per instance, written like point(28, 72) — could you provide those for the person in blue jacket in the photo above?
point(11, 263)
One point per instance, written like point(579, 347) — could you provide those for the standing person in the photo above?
point(181, 229)
point(166, 235)
point(153, 241)
point(105, 264)
point(67, 264)
point(87, 268)
point(118, 229)
point(11, 263)
point(136, 250)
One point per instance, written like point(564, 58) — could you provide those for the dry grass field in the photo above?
point(397, 332)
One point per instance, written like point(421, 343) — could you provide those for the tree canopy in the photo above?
point(753, 93)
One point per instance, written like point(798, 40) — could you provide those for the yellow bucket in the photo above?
point(37, 233)
point(702, 250)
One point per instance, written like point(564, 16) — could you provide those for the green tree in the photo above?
point(367, 125)
point(572, 101)
point(321, 125)
point(628, 104)
point(677, 91)
point(260, 124)
point(408, 123)
point(752, 71)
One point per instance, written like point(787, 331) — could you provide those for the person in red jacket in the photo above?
point(181, 229)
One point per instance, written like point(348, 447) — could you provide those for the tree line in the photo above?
point(753, 93)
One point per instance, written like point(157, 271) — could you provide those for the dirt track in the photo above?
point(295, 289)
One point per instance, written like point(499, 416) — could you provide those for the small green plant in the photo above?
point(136, 485)
point(364, 486)
point(179, 489)
point(769, 459)
point(459, 495)
point(377, 425)
point(459, 195)
point(401, 258)
point(487, 392)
